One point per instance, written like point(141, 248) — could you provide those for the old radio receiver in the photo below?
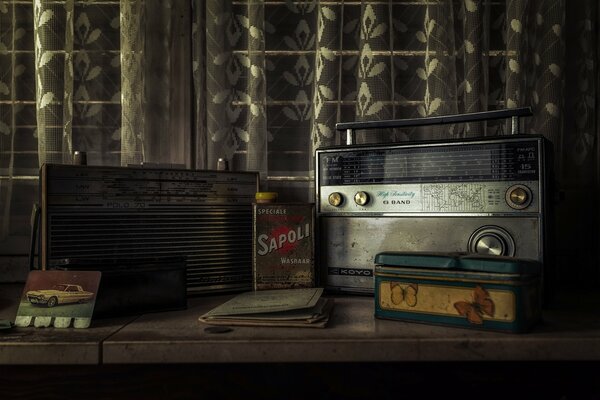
point(485, 195)
point(124, 213)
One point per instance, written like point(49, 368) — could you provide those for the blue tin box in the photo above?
point(471, 291)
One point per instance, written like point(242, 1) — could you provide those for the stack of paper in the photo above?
point(285, 307)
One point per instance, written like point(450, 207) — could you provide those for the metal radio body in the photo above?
point(124, 213)
point(487, 196)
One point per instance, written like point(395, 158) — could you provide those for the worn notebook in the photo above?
point(285, 307)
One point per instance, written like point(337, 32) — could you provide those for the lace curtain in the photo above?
point(274, 77)
point(105, 66)
point(279, 75)
point(96, 76)
point(262, 83)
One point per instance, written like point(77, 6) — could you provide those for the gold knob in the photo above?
point(519, 196)
point(335, 199)
point(361, 198)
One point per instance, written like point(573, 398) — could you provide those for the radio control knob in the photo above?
point(518, 197)
point(361, 198)
point(490, 244)
point(335, 199)
point(492, 240)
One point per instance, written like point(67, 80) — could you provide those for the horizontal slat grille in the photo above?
point(216, 240)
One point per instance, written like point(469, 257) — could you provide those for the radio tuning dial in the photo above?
point(518, 197)
point(361, 198)
point(335, 199)
point(492, 240)
point(490, 244)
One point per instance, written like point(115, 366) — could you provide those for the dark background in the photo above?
point(514, 380)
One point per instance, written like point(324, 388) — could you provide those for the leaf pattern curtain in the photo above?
point(85, 67)
point(54, 79)
point(273, 78)
point(268, 80)
point(90, 76)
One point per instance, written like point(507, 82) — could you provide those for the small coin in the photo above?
point(217, 329)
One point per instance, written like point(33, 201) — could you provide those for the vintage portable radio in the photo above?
point(484, 195)
point(124, 213)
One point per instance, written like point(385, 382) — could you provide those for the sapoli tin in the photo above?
point(473, 291)
point(283, 246)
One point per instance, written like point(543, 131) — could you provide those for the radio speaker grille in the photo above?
point(116, 214)
point(216, 240)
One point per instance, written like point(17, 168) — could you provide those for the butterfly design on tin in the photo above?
point(481, 305)
point(407, 294)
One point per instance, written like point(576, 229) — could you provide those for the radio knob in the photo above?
point(490, 244)
point(361, 198)
point(518, 197)
point(335, 199)
point(492, 240)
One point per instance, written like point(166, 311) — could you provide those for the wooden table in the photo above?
point(172, 342)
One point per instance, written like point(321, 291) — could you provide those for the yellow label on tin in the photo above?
point(475, 304)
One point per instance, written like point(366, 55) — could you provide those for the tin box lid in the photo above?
point(417, 259)
point(459, 262)
point(500, 264)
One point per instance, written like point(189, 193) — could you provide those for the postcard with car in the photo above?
point(59, 296)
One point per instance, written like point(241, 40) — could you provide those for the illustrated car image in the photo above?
point(59, 294)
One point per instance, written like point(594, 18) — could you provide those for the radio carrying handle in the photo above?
point(512, 113)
